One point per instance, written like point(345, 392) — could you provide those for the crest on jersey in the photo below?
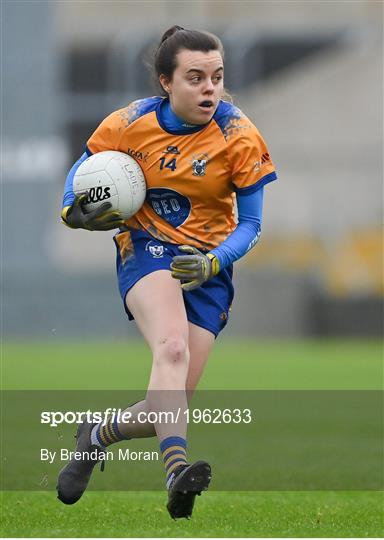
point(156, 250)
point(199, 164)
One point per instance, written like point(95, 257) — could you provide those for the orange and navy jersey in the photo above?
point(191, 177)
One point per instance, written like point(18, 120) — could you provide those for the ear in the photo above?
point(165, 83)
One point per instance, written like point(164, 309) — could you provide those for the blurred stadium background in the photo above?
point(309, 74)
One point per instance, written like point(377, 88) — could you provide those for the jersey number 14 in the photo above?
point(170, 165)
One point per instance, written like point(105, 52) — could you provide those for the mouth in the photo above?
point(207, 105)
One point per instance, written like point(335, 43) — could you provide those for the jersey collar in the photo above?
point(171, 123)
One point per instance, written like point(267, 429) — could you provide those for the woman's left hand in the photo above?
point(195, 268)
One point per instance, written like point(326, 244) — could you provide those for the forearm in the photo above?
point(247, 232)
point(69, 195)
point(243, 238)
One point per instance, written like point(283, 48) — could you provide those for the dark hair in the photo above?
point(176, 39)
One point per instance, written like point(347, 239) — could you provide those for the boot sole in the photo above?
point(190, 483)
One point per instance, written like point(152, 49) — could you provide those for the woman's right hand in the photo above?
point(101, 219)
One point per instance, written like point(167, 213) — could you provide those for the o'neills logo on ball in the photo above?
point(97, 194)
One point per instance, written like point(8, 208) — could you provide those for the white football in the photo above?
point(111, 177)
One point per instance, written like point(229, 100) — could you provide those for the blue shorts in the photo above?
point(207, 306)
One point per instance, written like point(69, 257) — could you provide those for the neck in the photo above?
point(176, 118)
point(174, 123)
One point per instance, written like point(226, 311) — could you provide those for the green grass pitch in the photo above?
point(248, 365)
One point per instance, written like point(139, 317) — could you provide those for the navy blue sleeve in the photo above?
point(69, 196)
point(247, 232)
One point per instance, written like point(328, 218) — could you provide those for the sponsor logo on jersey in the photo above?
point(171, 150)
point(199, 164)
point(169, 204)
point(156, 250)
point(97, 194)
point(139, 156)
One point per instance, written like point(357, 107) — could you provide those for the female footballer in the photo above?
point(175, 256)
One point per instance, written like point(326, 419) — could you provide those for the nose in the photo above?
point(209, 88)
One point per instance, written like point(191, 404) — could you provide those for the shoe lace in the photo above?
point(102, 461)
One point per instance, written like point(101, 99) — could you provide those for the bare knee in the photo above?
point(172, 350)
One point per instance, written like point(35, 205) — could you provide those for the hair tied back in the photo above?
point(170, 32)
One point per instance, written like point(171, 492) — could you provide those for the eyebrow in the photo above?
point(202, 71)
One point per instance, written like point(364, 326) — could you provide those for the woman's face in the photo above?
point(196, 86)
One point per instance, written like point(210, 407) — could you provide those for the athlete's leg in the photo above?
point(157, 304)
point(158, 308)
point(200, 345)
point(192, 480)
